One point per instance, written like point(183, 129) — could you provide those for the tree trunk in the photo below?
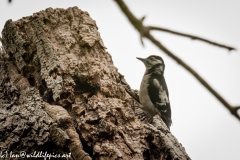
point(60, 93)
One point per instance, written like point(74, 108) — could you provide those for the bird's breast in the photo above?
point(144, 96)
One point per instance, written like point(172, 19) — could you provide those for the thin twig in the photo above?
point(145, 32)
point(192, 37)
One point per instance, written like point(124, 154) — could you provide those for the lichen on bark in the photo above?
point(59, 91)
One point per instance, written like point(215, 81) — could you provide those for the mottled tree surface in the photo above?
point(61, 93)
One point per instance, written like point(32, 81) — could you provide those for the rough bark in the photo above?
point(60, 92)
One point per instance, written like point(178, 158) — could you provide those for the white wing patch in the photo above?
point(162, 93)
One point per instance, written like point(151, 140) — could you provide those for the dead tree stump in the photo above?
point(61, 93)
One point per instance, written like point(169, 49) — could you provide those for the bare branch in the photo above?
point(192, 37)
point(237, 107)
point(143, 18)
point(141, 40)
point(145, 32)
point(234, 111)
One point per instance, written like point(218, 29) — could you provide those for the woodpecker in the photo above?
point(153, 93)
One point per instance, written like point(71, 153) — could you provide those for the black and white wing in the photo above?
point(158, 93)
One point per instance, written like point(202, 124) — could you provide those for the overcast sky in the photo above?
point(200, 122)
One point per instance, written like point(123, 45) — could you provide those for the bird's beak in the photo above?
point(141, 59)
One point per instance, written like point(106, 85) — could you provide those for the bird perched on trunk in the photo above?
point(153, 93)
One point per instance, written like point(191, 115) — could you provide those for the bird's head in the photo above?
point(153, 63)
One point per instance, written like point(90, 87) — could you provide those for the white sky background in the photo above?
point(201, 123)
